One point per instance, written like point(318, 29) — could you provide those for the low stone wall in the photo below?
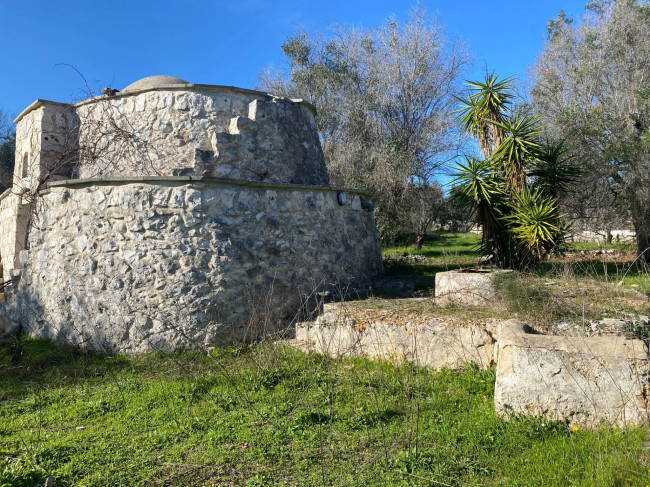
point(581, 381)
point(130, 266)
point(574, 379)
point(432, 344)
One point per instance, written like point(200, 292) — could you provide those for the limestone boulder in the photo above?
point(579, 380)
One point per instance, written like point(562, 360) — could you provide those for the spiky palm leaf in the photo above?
point(494, 93)
point(470, 115)
point(487, 101)
point(476, 183)
point(480, 190)
point(518, 149)
point(535, 224)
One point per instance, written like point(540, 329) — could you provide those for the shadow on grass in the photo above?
point(441, 245)
point(27, 363)
point(443, 252)
point(447, 245)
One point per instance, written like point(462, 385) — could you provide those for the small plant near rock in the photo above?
point(639, 329)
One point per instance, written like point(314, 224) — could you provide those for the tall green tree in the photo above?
point(591, 86)
point(385, 100)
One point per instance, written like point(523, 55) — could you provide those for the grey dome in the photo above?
point(151, 82)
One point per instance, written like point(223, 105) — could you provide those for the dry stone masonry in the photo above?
point(175, 215)
point(582, 381)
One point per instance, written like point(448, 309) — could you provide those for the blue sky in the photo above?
point(117, 42)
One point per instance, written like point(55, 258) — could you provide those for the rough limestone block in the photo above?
point(431, 344)
point(578, 380)
point(468, 288)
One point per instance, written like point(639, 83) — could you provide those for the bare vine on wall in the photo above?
point(56, 144)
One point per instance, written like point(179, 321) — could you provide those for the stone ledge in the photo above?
point(431, 343)
point(514, 333)
point(38, 103)
point(192, 179)
point(580, 381)
point(467, 286)
point(6, 193)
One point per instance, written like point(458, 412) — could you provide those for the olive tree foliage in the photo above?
point(7, 150)
point(385, 100)
point(426, 206)
point(592, 88)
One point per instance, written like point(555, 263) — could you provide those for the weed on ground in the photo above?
point(603, 282)
point(266, 415)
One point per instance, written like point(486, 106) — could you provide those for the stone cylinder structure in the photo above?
point(203, 219)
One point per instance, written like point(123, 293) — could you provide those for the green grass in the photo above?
point(268, 415)
point(603, 246)
point(444, 252)
point(626, 272)
point(447, 250)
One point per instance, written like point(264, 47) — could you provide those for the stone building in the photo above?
point(173, 214)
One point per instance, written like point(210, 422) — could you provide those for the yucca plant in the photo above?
point(552, 171)
point(486, 103)
point(481, 192)
point(535, 225)
point(520, 221)
point(517, 150)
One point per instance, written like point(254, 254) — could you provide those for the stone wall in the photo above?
point(432, 344)
point(205, 131)
point(46, 144)
point(577, 380)
point(148, 265)
point(13, 228)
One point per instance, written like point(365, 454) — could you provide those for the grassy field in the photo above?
point(268, 415)
point(444, 252)
point(448, 250)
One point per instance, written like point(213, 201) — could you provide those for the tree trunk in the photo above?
point(640, 210)
point(643, 241)
point(419, 240)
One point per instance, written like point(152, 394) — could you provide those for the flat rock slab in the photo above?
point(467, 287)
point(582, 381)
point(430, 344)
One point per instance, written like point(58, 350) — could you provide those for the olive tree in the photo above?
point(424, 205)
point(7, 150)
point(592, 87)
point(385, 100)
